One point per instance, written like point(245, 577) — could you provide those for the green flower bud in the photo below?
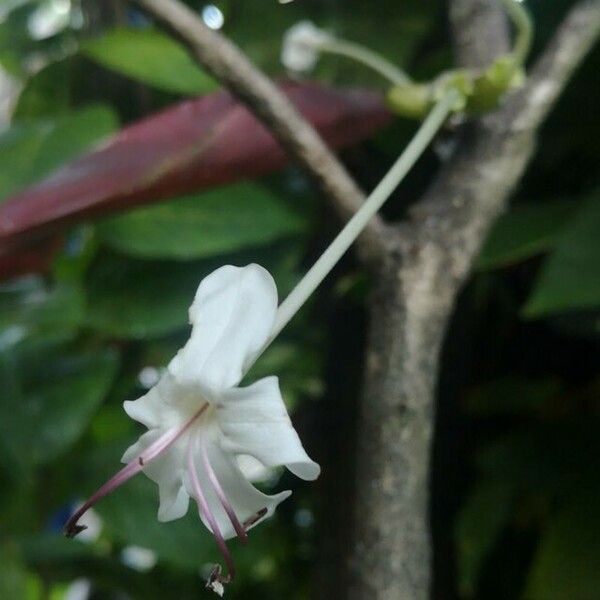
point(412, 100)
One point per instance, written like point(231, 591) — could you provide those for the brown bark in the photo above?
point(407, 318)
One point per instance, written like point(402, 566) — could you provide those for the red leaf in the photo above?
point(194, 145)
point(36, 258)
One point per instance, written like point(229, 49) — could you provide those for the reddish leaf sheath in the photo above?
point(35, 258)
point(192, 146)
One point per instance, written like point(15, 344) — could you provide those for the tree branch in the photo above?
point(233, 69)
point(479, 32)
point(473, 187)
point(574, 39)
point(414, 295)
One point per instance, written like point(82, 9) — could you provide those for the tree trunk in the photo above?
point(392, 555)
point(410, 309)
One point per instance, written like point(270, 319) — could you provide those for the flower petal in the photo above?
point(254, 421)
point(243, 498)
point(232, 316)
point(167, 404)
point(155, 408)
point(253, 469)
point(302, 45)
point(167, 472)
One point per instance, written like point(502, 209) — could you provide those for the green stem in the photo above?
point(309, 283)
point(367, 57)
point(524, 28)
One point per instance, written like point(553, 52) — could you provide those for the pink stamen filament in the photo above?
point(134, 467)
point(205, 511)
point(239, 528)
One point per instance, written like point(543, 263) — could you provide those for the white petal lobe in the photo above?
point(153, 409)
point(254, 421)
point(245, 500)
point(166, 471)
point(232, 317)
point(301, 46)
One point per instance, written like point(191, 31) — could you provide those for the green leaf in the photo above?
point(13, 577)
point(71, 135)
point(298, 366)
point(525, 232)
point(46, 93)
point(48, 403)
point(512, 395)
point(14, 34)
point(545, 459)
point(567, 561)
point(45, 547)
point(569, 279)
point(479, 525)
point(15, 581)
point(17, 147)
point(130, 516)
point(491, 86)
point(29, 309)
point(140, 299)
point(150, 57)
point(222, 220)
point(31, 150)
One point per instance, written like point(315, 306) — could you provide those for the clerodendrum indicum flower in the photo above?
point(202, 426)
point(302, 45)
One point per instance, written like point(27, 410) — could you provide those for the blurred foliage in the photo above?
point(569, 279)
point(150, 57)
point(524, 232)
point(223, 220)
point(521, 422)
point(30, 150)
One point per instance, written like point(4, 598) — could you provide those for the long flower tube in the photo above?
point(305, 42)
point(523, 26)
point(325, 263)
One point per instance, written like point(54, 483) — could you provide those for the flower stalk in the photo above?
point(367, 57)
point(304, 43)
point(323, 266)
point(524, 29)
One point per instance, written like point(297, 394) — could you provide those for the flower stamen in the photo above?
point(254, 518)
point(163, 443)
point(214, 480)
point(205, 511)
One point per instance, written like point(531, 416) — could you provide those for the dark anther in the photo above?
point(72, 529)
point(216, 576)
point(251, 520)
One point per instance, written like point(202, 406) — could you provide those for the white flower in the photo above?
point(202, 426)
point(78, 590)
point(139, 558)
point(302, 45)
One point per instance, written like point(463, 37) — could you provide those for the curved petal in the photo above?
point(168, 404)
point(254, 421)
point(242, 497)
point(167, 472)
point(156, 408)
point(253, 469)
point(232, 316)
